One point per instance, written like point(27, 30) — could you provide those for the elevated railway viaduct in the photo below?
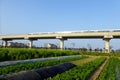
point(106, 35)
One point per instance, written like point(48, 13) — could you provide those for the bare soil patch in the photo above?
point(83, 61)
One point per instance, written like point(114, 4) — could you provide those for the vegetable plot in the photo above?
point(8, 54)
point(35, 65)
point(80, 72)
point(111, 70)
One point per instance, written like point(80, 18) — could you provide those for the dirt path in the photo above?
point(83, 61)
point(98, 71)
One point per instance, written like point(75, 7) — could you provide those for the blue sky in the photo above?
point(27, 16)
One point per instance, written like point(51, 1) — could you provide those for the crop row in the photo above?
point(35, 65)
point(118, 70)
point(116, 54)
point(80, 72)
point(23, 53)
point(111, 70)
point(7, 54)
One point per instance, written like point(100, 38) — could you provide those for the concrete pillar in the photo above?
point(107, 45)
point(30, 43)
point(61, 44)
point(4, 43)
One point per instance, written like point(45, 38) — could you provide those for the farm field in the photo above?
point(7, 63)
point(81, 62)
point(87, 66)
point(111, 71)
point(35, 65)
point(80, 72)
point(12, 54)
point(108, 69)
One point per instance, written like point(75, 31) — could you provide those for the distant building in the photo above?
point(15, 44)
point(51, 46)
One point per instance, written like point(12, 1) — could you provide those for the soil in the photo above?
point(83, 61)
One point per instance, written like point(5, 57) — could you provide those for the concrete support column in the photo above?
point(30, 43)
point(61, 44)
point(4, 43)
point(107, 45)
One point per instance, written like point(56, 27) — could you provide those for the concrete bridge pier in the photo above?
point(30, 43)
point(62, 43)
point(5, 43)
point(107, 45)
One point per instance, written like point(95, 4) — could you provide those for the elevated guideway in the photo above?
point(106, 35)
